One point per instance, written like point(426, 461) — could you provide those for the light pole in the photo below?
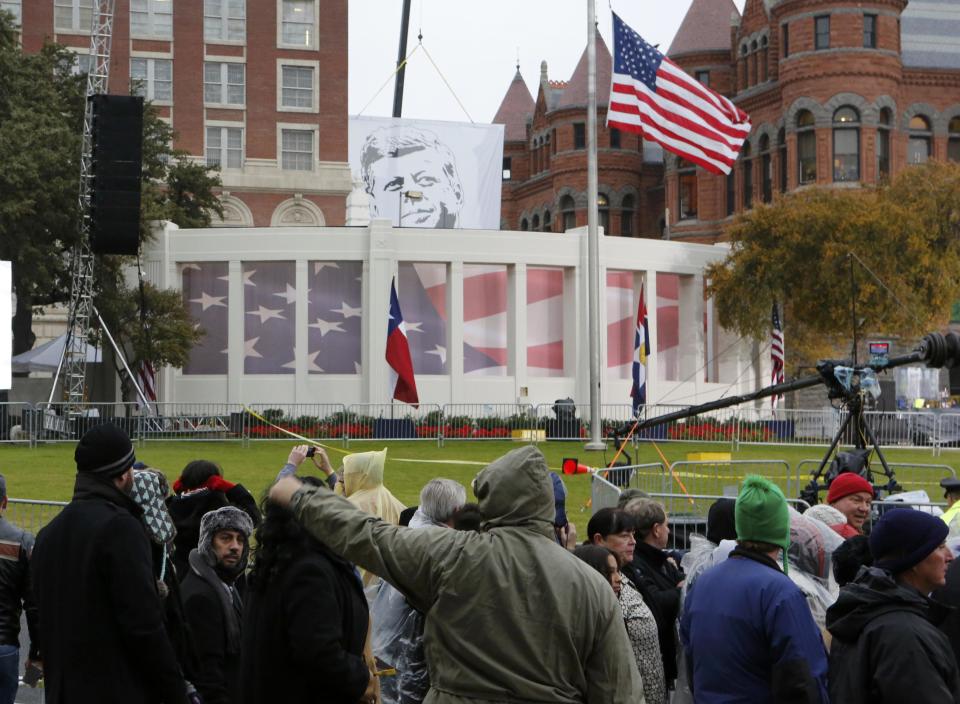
point(409, 195)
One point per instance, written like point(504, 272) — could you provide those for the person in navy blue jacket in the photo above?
point(747, 631)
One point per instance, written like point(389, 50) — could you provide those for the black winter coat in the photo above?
point(949, 595)
point(885, 647)
point(101, 622)
point(214, 622)
point(187, 509)
point(303, 636)
point(657, 580)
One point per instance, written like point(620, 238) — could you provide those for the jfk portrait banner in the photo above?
point(424, 173)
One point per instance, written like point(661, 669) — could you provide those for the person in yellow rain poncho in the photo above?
point(362, 485)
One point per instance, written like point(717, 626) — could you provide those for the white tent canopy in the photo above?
point(46, 357)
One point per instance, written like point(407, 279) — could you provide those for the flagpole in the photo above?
point(593, 240)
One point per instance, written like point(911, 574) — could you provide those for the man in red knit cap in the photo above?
point(852, 495)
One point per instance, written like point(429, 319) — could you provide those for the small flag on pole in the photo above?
point(776, 353)
point(641, 351)
point(398, 352)
point(653, 96)
point(148, 380)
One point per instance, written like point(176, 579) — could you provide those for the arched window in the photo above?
point(626, 216)
point(743, 67)
point(764, 56)
point(953, 139)
point(883, 144)
point(806, 147)
point(686, 190)
point(568, 213)
point(523, 225)
point(547, 223)
point(603, 210)
point(535, 223)
point(546, 152)
point(731, 192)
point(782, 147)
point(846, 144)
point(918, 146)
point(766, 169)
point(754, 60)
point(747, 166)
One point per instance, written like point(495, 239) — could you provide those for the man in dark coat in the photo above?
point(886, 645)
point(213, 604)
point(101, 623)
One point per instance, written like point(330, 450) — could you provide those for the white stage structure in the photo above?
point(515, 303)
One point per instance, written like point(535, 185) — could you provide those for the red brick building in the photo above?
point(841, 93)
point(240, 82)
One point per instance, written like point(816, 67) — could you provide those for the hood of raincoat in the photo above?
point(363, 485)
point(812, 543)
point(874, 592)
point(515, 490)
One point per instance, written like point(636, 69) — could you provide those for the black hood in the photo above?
point(873, 593)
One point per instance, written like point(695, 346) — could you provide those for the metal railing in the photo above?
point(388, 421)
point(489, 421)
point(30, 514)
point(911, 476)
point(321, 421)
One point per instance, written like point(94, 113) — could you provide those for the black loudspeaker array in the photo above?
point(117, 156)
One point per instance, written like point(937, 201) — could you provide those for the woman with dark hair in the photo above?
point(305, 620)
point(637, 618)
point(613, 528)
point(200, 489)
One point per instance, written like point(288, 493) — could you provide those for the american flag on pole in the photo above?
point(148, 380)
point(641, 351)
point(653, 96)
point(398, 353)
point(776, 353)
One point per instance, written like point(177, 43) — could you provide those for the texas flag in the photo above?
point(398, 352)
point(641, 349)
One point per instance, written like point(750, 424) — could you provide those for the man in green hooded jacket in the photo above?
point(511, 615)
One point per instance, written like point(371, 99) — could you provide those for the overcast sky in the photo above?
point(475, 46)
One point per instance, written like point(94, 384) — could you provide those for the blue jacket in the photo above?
point(750, 638)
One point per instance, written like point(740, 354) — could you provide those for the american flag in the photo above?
point(148, 380)
point(654, 97)
point(776, 353)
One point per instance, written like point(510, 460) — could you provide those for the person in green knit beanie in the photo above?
point(762, 517)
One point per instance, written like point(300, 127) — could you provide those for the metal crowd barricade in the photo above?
point(489, 421)
point(15, 420)
point(58, 422)
point(724, 478)
point(946, 432)
point(392, 421)
point(902, 428)
point(32, 515)
point(758, 426)
point(564, 421)
point(316, 421)
point(603, 493)
point(192, 421)
point(910, 476)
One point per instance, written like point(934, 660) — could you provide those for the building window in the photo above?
point(766, 169)
point(297, 150)
point(686, 190)
point(918, 146)
point(547, 222)
point(73, 15)
point(297, 86)
point(785, 34)
point(953, 140)
point(223, 83)
point(806, 147)
point(579, 135)
point(523, 225)
point(883, 144)
point(731, 192)
point(754, 60)
point(224, 20)
point(846, 144)
point(870, 31)
point(626, 216)
point(614, 138)
point(568, 213)
point(152, 78)
point(822, 35)
point(535, 223)
point(603, 211)
point(225, 147)
point(296, 28)
point(746, 158)
point(13, 7)
point(82, 65)
point(782, 147)
point(764, 58)
point(507, 162)
point(151, 18)
point(703, 77)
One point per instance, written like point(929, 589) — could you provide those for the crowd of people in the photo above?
point(331, 590)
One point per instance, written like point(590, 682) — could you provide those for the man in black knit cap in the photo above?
point(101, 622)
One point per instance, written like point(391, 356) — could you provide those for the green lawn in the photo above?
point(47, 471)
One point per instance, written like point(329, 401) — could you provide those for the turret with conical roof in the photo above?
point(515, 110)
point(706, 27)
point(575, 92)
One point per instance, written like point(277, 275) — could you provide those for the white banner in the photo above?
point(424, 173)
point(6, 323)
